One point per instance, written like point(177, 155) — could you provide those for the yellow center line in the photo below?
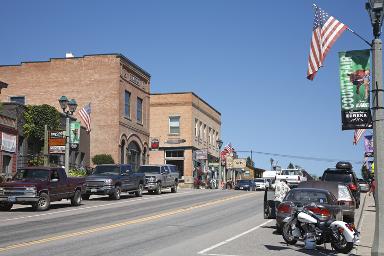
point(118, 225)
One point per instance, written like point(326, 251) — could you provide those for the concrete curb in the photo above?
point(361, 213)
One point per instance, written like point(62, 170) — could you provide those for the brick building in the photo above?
point(183, 123)
point(117, 89)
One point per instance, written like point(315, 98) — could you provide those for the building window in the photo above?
point(176, 153)
point(139, 110)
point(196, 128)
point(210, 136)
point(127, 104)
point(18, 99)
point(200, 130)
point(205, 133)
point(174, 125)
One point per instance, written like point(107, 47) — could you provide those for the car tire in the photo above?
point(174, 188)
point(43, 203)
point(158, 189)
point(116, 194)
point(76, 199)
point(5, 206)
point(139, 192)
point(85, 196)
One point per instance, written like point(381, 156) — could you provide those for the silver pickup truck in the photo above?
point(158, 177)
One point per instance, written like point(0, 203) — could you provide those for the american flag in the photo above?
point(326, 30)
point(85, 114)
point(357, 135)
point(229, 148)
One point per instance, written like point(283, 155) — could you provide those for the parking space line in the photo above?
point(204, 252)
point(92, 207)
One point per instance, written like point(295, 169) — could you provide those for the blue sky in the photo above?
point(246, 58)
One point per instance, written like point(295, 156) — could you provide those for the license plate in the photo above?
point(12, 199)
point(93, 190)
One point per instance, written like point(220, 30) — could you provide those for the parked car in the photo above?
point(342, 193)
point(158, 177)
point(248, 185)
point(344, 174)
point(261, 183)
point(292, 176)
point(305, 196)
point(364, 186)
point(39, 186)
point(113, 179)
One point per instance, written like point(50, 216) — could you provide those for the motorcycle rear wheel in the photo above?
point(341, 245)
point(287, 234)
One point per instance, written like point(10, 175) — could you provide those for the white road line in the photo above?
point(92, 207)
point(204, 252)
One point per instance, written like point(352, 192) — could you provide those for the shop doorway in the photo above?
point(179, 165)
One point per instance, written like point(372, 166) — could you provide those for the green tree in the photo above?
point(250, 162)
point(36, 117)
point(102, 159)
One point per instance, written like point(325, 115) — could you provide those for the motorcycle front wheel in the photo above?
point(287, 234)
point(341, 245)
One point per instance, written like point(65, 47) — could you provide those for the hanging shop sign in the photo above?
point(8, 142)
point(239, 163)
point(229, 162)
point(155, 144)
point(201, 154)
point(355, 82)
point(56, 142)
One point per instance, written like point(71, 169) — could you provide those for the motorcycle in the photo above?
point(314, 223)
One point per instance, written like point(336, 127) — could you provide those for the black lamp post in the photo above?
point(219, 145)
point(71, 105)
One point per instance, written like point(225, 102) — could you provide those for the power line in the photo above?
point(299, 157)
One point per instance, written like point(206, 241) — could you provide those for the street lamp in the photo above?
point(71, 105)
point(219, 145)
point(375, 11)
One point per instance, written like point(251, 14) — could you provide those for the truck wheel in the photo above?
point(43, 203)
point(5, 206)
point(139, 192)
point(85, 196)
point(76, 199)
point(158, 189)
point(116, 195)
point(174, 188)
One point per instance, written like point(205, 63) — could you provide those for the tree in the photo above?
point(102, 159)
point(250, 162)
point(36, 117)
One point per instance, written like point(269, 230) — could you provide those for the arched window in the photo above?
point(134, 155)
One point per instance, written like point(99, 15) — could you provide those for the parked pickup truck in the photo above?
point(39, 186)
point(292, 176)
point(158, 177)
point(112, 179)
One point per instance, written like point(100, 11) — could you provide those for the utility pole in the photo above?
point(375, 10)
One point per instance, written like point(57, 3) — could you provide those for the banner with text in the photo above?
point(355, 81)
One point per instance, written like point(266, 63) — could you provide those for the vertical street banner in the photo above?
point(354, 82)
point(74, 138)
point(368, 146)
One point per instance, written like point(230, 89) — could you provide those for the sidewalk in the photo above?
point(366, 225)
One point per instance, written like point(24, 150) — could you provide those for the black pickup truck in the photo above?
point(112, 179)
point(39, 186)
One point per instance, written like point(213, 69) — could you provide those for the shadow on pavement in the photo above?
point(320, 250)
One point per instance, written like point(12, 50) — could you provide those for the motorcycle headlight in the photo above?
point(108, 181)
point(1, 191)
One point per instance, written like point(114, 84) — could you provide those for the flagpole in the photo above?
point(370, 45)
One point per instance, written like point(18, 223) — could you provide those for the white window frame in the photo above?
point(169, 124)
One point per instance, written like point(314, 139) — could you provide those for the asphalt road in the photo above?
point(190, 222)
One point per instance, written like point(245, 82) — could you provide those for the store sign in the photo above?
point(155, 144)
point(8, 142)
point(229, 162)
point(56, 142)
point(175, 141)
point(239, 163)
point(201, 154)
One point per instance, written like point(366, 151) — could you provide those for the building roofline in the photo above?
point(194, 94)
point(119, 55)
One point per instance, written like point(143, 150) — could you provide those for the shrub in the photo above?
point(102, 159)
point(81, 172)
point(36, 161)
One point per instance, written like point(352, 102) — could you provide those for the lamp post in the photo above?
point(375, 11)
point(72, 105)
point(219, 145)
